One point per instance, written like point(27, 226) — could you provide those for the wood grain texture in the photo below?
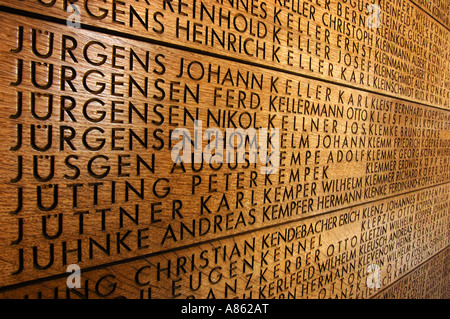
point(407, 56)
point(87, 175)
point(437, 9)
point(424, 282)
point(321, 257)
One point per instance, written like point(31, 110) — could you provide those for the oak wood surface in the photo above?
point(87, 175)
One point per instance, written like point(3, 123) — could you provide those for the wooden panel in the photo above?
point(407, 56)
point(358, 173)
point(323, 257)
point(440, 10)
point(424, 282)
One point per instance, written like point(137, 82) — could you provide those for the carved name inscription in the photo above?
point(424, 282)
point(405, 55)
point(350, 183)
point(440, 10)
point(321, 257)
